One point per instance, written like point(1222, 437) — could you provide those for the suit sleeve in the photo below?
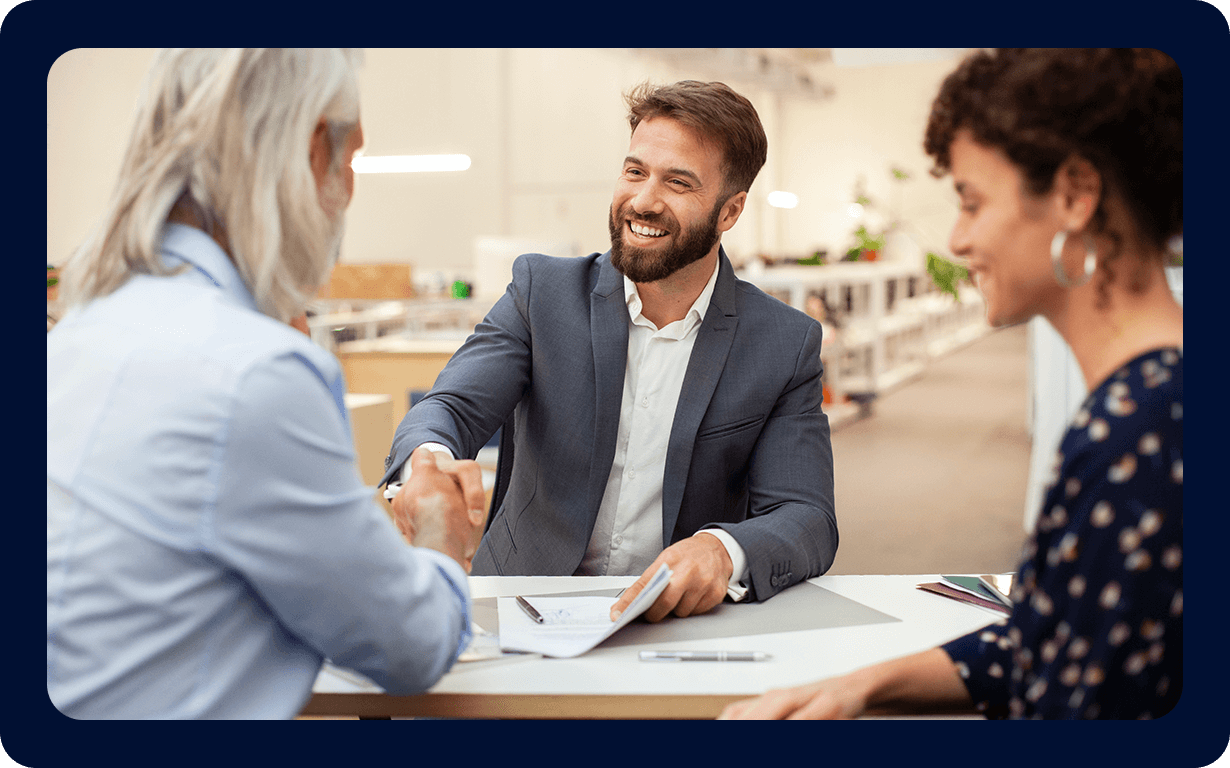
point(480, 385)
point(791, 531)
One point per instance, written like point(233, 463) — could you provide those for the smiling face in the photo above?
point(668, 211)
point(1004, 234)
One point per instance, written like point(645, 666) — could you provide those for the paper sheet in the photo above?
point(485, 646)
point(571, 625)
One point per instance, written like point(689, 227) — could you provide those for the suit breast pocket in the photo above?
point(729, 429)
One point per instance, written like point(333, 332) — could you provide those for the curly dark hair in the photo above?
point(1121, 109)
point(717, 112)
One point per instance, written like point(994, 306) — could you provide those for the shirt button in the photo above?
point(644, 402)
point(631, 473)
point(617, 539)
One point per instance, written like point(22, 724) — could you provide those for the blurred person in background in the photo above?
point(1068, 167)
point(209, 539)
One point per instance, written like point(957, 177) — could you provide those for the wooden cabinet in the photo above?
point(395, 367)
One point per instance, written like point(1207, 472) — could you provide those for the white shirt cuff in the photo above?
point(393, 487)
point(735, 589)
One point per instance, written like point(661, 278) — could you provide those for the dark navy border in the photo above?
point(36, 32)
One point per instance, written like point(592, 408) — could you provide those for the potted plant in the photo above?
point(866, 247)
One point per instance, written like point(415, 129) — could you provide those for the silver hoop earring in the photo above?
point(1091, 258)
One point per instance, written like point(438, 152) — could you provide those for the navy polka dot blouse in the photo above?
point(1096, 630)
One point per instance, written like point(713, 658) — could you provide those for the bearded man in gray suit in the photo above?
point(662, 411)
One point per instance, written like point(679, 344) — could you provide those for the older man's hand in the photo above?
point(442, 506)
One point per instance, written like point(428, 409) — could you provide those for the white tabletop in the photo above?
point(614, 674)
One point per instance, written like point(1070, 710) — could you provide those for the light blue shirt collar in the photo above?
point(182, 243)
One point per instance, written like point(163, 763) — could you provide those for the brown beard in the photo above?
point(641, 266)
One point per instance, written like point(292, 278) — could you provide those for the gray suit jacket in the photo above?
point(749, 448)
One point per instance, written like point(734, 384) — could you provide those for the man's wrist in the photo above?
point(403, 475)
point(736, 589)
point(724, 553)
point(734, 551)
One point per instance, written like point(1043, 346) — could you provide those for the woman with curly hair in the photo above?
point(1068, 167)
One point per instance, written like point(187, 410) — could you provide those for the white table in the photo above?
point(612, 682)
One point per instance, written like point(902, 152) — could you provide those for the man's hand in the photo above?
point(701, 570)
point(833, 699)
point(442, 506)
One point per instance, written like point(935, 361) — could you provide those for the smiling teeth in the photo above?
point(645, 231)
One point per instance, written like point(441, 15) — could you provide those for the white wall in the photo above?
point(91, 95)
point(546, 132)
point(875, 122)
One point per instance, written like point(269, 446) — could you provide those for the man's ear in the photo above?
point(1077, 192)
point(319, 154)
point(731, 210)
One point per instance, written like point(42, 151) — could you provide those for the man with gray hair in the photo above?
point(209, 540)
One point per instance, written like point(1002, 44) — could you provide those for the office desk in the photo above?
point(611, 682)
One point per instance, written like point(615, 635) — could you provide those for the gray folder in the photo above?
point(801, 607)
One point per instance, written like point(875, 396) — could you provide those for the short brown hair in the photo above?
point(717, 113)
point(1121, 109)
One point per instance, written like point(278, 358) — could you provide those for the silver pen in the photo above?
point(529, 609)
point(703, 656)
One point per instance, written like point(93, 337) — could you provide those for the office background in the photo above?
point(1199, 41)
point(931, 475)
point(546, 131)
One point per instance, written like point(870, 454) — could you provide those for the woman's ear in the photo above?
point(1077, 192)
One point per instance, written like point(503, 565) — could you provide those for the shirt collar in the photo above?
point(695, 315)
point(182, 243)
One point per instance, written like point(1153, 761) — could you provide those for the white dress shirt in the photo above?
point(627, 535)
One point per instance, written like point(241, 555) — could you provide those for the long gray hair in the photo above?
point(229, 131)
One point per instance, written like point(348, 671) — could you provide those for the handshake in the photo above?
point(442, 505)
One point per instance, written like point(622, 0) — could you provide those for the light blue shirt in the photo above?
point(209, 539)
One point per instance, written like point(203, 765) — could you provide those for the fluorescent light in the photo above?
point(410, 163)
point(783, 199)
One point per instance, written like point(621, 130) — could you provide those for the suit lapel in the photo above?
point(713, 341)
point(609, 336)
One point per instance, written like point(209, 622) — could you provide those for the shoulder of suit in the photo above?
point(537, 261)
point(583, 272)
point(754, 300)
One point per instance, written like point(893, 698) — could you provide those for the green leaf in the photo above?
point(945, 274)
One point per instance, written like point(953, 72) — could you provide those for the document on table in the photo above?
point(485, 647)
point(571, 625)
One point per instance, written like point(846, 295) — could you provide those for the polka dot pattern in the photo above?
point(1096, 631)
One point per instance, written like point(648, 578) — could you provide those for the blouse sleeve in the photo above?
point(983, 659)
point(1096, 629)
